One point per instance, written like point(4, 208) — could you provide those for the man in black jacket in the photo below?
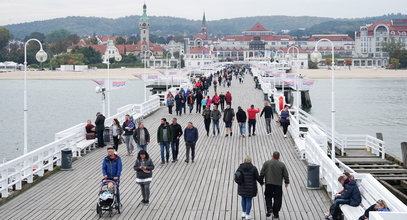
point(222, 99)
point(198, 98)
point(178, 104)
point(268, 115)
point(100, 127)
point(176, 135)
point(228, 118)
point(241, 119)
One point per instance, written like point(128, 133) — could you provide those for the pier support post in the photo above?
point(404, 153)
point(306, 100)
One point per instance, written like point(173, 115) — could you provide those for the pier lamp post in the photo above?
point(316, 56)
point(117, 58)
point(41, 57)
point(276, 57)
point(168, 64)
point(289, 57)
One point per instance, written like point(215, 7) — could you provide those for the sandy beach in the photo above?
point(128, 74)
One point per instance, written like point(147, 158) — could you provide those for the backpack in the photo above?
point(239, 178)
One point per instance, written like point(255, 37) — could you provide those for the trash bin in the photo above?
point(66, 159)
point(313, 176)
point(106, 135)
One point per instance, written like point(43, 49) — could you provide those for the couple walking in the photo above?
point(272, 174)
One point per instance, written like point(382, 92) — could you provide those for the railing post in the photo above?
point(404, 153)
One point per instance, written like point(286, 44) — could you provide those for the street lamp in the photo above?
point(316, 56)
point(168, 64)
point(41, 57)
point(117, 58)
point(289, 57)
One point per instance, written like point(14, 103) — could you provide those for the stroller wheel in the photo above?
point(99, 210)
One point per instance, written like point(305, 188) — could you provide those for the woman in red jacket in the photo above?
point(216, 99)
point(251, 112)
point(228, 98)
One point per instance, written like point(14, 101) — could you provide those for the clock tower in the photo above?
point(145, 29)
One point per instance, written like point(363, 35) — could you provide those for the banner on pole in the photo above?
point(306, 84)
point(100, 82)
point(118, 84)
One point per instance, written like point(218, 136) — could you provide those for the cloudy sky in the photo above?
point(17, 11)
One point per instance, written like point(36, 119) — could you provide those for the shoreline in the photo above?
point(340, 73)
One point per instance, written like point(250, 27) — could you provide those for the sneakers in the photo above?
point(329, 218)
point(186, 161)
point(275, 216)
point(285, 136)
point(243, 214)
point(248, 217)
point(226, 135)
point(231, 134)
point(250, 135)
point(254, 134)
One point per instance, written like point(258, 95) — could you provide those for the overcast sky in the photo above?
point(17, 11)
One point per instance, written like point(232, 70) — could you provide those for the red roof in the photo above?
point(199, 50)
point(106, 38)
point(340, 37)
point(258, 27)
point(397, 29)
point(262, 37)
point(293, 50)
point(201, 36)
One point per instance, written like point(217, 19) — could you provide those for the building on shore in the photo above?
point(370, 38)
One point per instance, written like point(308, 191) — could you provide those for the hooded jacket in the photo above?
point(160, 133)
point(251, 176)
point(112, 167)
point(352, 193)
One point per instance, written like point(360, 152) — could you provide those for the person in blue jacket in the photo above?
point(112, 169)
point(351, 196)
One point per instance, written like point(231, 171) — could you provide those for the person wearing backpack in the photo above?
point(247, 176)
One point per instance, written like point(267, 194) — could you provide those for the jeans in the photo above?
point(337, 209)
point(165, 145)
point(115, 142)
point(285, 127)
point(246, 205)
point(190, 147)
point(99, 136)
point(198, 106)
point(129, 144)
point(252, 123)
point(268, 125)
point(184, 107)
point(145, 191)
point(175, 149)
point(191, 107)
point(142, 147)
point(207, 125)
point(118, 192)
point(222, 106)
point(170, 109)
point(242, 128)
point(273, 192)
point(215, 125)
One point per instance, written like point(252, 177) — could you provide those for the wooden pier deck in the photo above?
point(203, 190)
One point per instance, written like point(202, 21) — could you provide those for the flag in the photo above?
point(291, 75)
point(306, 84)
point(289, 83)
point(118, 84)
point(172, 72)
point(100, 82)
point(138, 75)
point(152, 76)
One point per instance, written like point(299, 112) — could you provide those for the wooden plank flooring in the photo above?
point(203, 190)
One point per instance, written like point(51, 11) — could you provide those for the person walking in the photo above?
point(248, 189)
point(268, 115)
point(228, 117)
point(203, 104)
point(207, 118)
point(198, 98)
point(285, 119)
point(141, 137)
point(274, 172)
point(100, 127)
point(228, 98)
point(190, 138)
point(208, 101)
point(215, 116)
point(112, 169)
point(170, 102)
point(176, 135)
point(190, 101)
point(251, 112)
point(144, 167)
point(183, 102)
point(114, 132)
point(222, 99)
point(178, 104)
point(128, 127)
point(216, 99)
point(164, 138)
point(241, 119)
point(215, 85)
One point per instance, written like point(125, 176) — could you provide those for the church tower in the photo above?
point(145, 28)
point(204, 29)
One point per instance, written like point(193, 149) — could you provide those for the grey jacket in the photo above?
point(274, 172)
point(216, 115)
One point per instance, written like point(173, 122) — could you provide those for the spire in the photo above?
point(144, 17)
point(203, 20)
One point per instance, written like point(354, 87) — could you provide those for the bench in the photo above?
point(81, 144)
point(371, 191)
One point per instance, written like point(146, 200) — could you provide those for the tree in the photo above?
point(392, 46)
point(348, 62)
point(36, 35)
point(4, 37)
point(312, 65)
point(91, 55)
point(57, 34)
point(68, 58)
point(402, 56)
point(120, 41)
point(395, 63)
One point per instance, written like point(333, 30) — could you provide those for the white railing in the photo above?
point(23, 168)
point(387, 215)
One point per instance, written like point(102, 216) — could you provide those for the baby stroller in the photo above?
point(107, 200)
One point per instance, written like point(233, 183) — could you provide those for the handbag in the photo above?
point(90, 136)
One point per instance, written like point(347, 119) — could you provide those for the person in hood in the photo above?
point(351, 196)
point(248, 189)
point(112, 169)
point(100, 127)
